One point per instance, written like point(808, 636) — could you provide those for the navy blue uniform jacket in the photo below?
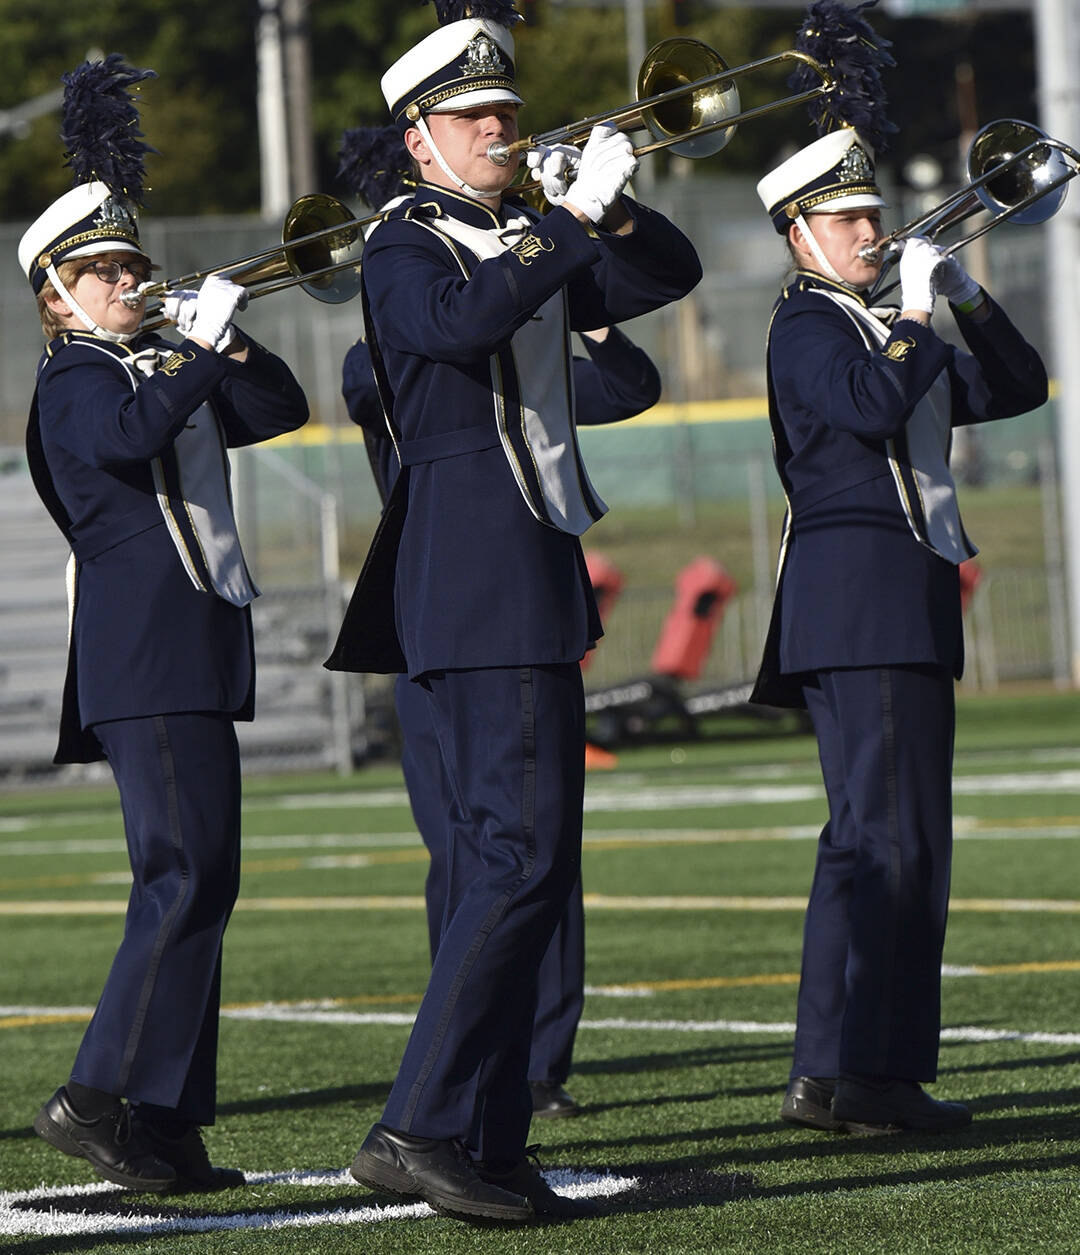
point(857, 588)
point(616, 381)
point(478, 581)
point(144, 640)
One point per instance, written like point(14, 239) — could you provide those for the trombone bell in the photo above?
point(308, 215)
point(1015, 171)
point(1024, 178)
point(320, 249)
point(681, 62)
point(302, 264)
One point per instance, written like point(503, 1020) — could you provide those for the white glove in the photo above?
point(218, 300)
point(919, 263)
point(555, 166)
point(179, 308)
point(953, 282)
point(607, 163)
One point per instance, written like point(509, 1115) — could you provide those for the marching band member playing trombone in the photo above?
point(127, 447)
point(485, 601)
point(866, 630)
point(616, 381)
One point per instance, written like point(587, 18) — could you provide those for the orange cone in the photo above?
point(597, 759)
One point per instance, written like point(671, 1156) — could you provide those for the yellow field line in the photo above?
point(595, 901)
point(35, 1021)
point(758, 980)
point(724, 410)
point(597, 841)
point(666, 414)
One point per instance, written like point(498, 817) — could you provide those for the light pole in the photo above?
point(1057, 33)
point(273, 120)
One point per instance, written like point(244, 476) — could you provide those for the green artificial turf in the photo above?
point(694, 933)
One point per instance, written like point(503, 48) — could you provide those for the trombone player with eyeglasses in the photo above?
point(126, 443)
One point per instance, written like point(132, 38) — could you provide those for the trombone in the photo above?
point(321, 244)
point(686, 99)
point(1016, 172)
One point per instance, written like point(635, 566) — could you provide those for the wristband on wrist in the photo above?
point(967, 307)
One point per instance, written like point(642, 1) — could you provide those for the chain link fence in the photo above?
point(307, 507)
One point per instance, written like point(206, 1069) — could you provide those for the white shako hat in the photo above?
point(834, 173)
point(465, 63)
point(87, 220)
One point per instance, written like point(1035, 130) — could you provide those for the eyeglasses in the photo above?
point(110, 271)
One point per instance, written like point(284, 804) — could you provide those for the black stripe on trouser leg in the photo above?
point(498, 908)
point(892, 803)
point(168, 772)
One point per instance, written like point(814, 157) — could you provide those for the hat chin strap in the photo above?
point(475, 194)
point(827, 268)
point(117, 337)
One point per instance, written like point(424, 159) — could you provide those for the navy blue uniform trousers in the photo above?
point(512, 745)
point(153, 1036)
point(560, 995)
point(870, 991)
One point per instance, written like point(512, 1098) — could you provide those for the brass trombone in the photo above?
point(686, 99)
point(1016, 172)
point(321, 244)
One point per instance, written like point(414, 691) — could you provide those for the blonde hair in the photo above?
point(51, 322)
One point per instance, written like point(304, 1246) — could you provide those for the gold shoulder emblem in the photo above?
point(528, 249)
point(899, 349)
point(171, 365)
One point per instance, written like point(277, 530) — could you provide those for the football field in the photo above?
point(697, 862)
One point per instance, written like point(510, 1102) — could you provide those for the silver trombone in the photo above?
point(1016, 172)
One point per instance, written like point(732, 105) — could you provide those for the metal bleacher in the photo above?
point(33, 626)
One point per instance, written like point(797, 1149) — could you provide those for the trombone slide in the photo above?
point(698, 72)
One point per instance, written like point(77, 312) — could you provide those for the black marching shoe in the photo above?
point(525, 1179)
point(808, 1101)
point(551, 1101)
point(186, 1154)
point(440, 1173)
point(870, 1105)
point(108, 1143)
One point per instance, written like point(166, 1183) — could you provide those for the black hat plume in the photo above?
point(502, 12)
point(374, 164)
point(847, 46)
point(100, 126)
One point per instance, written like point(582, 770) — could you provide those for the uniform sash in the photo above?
point(919, 457)
point(191, 480)
point(532, 387)
point(918, 461)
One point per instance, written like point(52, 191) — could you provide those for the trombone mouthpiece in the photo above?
point(885, 251)
point(132, 299)
point(498, 153)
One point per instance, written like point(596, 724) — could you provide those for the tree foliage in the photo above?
point(201, 114)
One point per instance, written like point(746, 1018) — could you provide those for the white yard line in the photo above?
point(52, 1211)
point(966, 828)
point(593, 901)
point(336, 1011)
